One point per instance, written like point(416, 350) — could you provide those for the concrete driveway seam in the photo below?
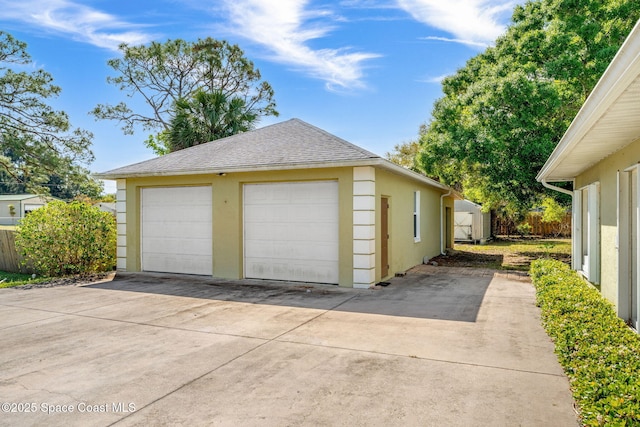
point(266, 341)
point(434, 350)
point(191, 381)
point(431, 359)
point(32, 321)
point(130, 322)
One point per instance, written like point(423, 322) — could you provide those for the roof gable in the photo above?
point(292, 144)
point(288, 144)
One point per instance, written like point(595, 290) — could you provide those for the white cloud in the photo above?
point(285, 28)
point(461, 41)
point(471, 22)
point(80, 22)
point(436, 79)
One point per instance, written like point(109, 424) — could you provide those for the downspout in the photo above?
point(442, 222)
point(553, 187)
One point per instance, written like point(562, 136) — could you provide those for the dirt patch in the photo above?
point(69, 281)
point(506, 254)
point(469, 259)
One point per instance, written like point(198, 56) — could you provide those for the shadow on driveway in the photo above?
point(419, 295)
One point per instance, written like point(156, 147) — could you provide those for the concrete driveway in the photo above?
point(438, 347)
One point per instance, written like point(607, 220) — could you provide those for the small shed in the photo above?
point(470, 223)
point(14, 207)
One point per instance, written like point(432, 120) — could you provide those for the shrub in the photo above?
point(599, 353)
point(554, 213)
point(524, 229)
point(68, 238)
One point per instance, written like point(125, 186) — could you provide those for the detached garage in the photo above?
point(285, 202)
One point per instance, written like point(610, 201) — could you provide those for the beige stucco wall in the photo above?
point(404, 253)
point(227, 214)
point(605, 172)
point(228, 221)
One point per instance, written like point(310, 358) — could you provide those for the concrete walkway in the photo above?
point(438, 347)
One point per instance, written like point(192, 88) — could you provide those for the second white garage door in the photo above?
point(177, 230)
point(291, 231)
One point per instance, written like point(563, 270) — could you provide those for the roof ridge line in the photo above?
point(341, 140)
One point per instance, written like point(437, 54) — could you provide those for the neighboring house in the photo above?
point(22, 205)
point(107, 207)
point(470, 223)
point(600, 154)
point(285, 202)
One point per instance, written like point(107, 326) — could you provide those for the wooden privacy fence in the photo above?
point(9, 258)
point(504, 227)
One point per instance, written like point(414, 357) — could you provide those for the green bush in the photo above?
point(68, 238)
point(524, 229)
point(599, 353)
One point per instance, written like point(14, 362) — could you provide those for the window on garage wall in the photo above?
point(416, 216)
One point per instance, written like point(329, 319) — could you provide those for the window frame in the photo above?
point(586, 231)
point(416, 217)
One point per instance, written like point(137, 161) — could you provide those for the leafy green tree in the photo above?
point(163, 74)
point(35, 140)
point(503, 113)
point(554, 213)
point(63, 184)
point(73, 183)
point(405, 155)
point(68, 238)
point(206, 117)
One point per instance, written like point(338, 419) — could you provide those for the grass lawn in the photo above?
point(9, 280)
point(507, 254)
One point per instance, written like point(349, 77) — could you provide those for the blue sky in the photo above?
point(365, 70)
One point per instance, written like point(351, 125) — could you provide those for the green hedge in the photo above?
point(599, 353)
point(68, 238)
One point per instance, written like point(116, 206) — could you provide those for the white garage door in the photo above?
point(177, 230)
point(291, 231)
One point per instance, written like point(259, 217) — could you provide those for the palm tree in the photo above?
point(208, 116)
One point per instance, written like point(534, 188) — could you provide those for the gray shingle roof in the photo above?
point(5, 197)
point(288, 144)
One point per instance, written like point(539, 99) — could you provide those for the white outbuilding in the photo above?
point(470, 223)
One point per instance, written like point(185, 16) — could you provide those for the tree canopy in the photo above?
point(206, 117)
point(37, 143)
point(503, 113)
point(169, 75)
point(405, 155)
point(70, 184)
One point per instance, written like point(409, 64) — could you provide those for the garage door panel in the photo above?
point(289, 193)
point(276, 269)
point(291, 231)
point(158, 195)
point(292, 251)
point(183, 264)
point(177, 230)
point(176, 246)
point(287, 214)
point(170, 231)
point(164, 213)
point(184, 214)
